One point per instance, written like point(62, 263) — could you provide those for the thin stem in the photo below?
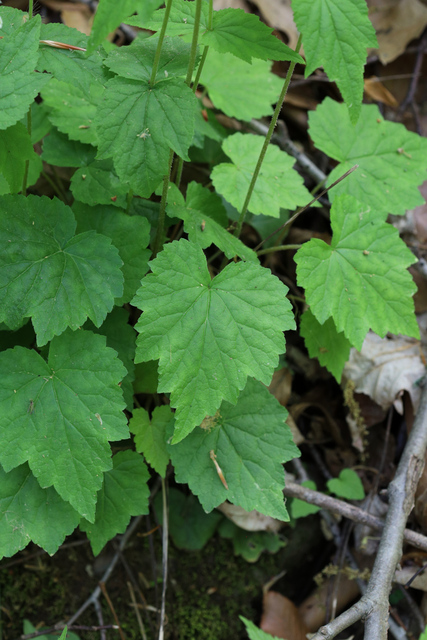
point(160, 42)
point(27, 162)
point(190, 71)
point(54, 186)
point(200, 68)
point(280, 247)
point(267, 140)
point(165, 559)
point(161, 221)
point(30, 9)
point(194, 41)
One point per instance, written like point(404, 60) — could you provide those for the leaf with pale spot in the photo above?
point(251, 441)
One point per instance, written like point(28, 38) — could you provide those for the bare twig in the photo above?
point(293, 490)
point(374, 606)
point(165, 560)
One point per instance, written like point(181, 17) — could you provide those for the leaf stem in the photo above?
point(30, 9)
point(160, 42)
point(161, 221)
point(267, 140)
point(280, 247)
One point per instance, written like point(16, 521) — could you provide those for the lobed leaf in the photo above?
point(98, 184)
point(277, 186)
point(124, 493)
point(49, 274)
point(336, 36)
point(60, 420)
point(360, 280)
point(30, 513)
point(230, 80)
point(250, 442)
point(15, 150)
point(20, 84)
point(209, 335)
point(129, 234)
point(138, 124)
point(150, 436)
point(323, 342)
point(392, 160)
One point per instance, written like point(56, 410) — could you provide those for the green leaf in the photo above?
point(250, 441)
point(150, 436)
point(19, 82)
point(97, 184)
point(138, 125)
point(15, 149)
point(198, 214)
point(336, 36)
point(249, 544)
point(348, 485)
point(392, 161)
point(40, 125)
point(124, 493)
point(73, 109)
point(49, 274)
point(11, 19)
point(59, 415)
point(323, 342)
point(245, 36)
point(130, 234)
point(233, 31)
point(68, 65)
point(60, 151)
point(110, 14)
point(254, 632)
point(423, 636)
point(189, 526)
point(209, 335)
point(146, 377)
point(300, 508)
point(230, 81)
point(135, 62)
point(30, 513)
point(360, 279)
point(277, 185)
point(121, 337)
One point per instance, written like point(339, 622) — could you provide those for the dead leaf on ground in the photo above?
point(281, 618)
point(249, 520)
point(376, 91)
point(313, 609)
point(385, 368)
point(396, 23)
point(278, 14)
point(402, 576)
point(230, 4)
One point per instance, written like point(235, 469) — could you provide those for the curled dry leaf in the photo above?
point(385, 368)
point(281, 618)
point(249, 520)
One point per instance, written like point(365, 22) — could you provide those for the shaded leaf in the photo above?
point(49, 274)
point(150, 436)
point(59, 420)
point(124, 493)
point(250, 442)
point(323, 342)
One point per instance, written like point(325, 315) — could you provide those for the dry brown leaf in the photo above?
point(230, 4)
point(278, 14)
point(402, 576)
point(313, 609)
point(396, 22)
point(281, 385)
point(249, 520)
point(281, 618)
point(375, 90)
point(385, 368)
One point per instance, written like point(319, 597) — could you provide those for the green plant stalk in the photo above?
point(190, 70)
point(160, 42)
point(267, 140)
point(162, 211)
point(280, 247)
point(205, 50)
point(27, 162)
